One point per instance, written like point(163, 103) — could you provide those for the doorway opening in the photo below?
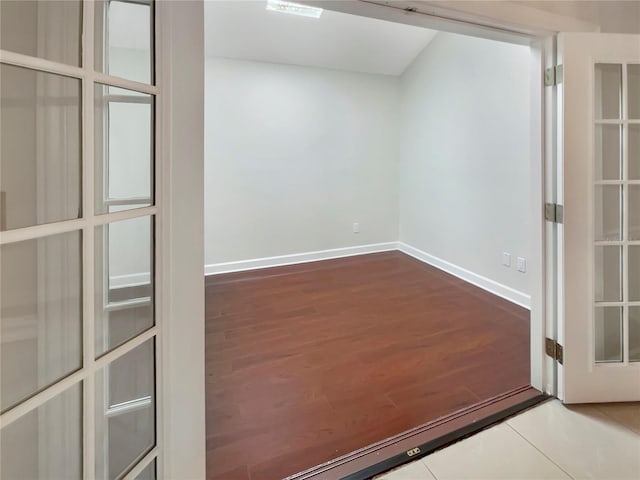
point(369, 223)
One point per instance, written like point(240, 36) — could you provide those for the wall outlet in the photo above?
point(522, 265)
point(356, 228)
point(506, 259)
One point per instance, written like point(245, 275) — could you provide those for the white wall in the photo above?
point(464, 162)
point(296, 155)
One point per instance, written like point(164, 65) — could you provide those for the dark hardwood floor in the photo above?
point(309, 362)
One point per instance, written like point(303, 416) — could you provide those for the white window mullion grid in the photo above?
point(40, 398)
point(87, 224)
point(625, 220)
point(625, 182)
point(37, 231)
point(21, 60)
point(617, 122)
point(88, 244)
point(161, 144)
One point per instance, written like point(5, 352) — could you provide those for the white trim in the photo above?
point(64, 226)
point(127, 304)
point(491, 286)
point(538, 266)
point(129, 406)
point(49, 66)
point(281, 260)
point(143, 464)
point(180, 236)
point(502, 21)
point(130, 280)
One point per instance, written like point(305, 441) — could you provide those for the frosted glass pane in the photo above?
point(608, 83)
point(123, 149)
point(123, 39)
point(608, 156)
point(634, 152)
point(46, 29)
point(607, 274)
point(39, 147)
point(634, 334)
point(608, 224)
point(40, 314)
point(149, 473)
point(634, 273)
point(633, 88)
point(126, 414)
point(608, 334)
point(124, 281)
point(45, 443)
point(634, 212)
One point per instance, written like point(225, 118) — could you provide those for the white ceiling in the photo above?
point(244, 29)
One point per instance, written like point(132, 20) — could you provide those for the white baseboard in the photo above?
point(228, 267)
point(485, 283)
point(130, 280)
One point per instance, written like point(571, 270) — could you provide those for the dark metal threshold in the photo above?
point(425, 439)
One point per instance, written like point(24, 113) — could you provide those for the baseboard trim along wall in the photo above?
point(508, 293)
point(129, 280)
point(266, 262)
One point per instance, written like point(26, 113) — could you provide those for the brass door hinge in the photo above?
point(553, 76)
point(554, 350)
point(553, 212)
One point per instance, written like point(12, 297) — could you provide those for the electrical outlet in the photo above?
point(522, 265)
point(356, 228)
point(506, 259)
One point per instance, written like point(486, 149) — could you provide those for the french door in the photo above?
point(600, 303)
point(78, 283)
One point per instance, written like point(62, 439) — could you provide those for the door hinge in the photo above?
point(553, 212)
point(553, 76)
point(554, 350)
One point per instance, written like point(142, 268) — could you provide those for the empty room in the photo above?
point(368, 226)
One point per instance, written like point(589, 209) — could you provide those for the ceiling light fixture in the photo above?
point(293, 8)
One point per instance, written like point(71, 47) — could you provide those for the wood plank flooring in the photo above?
point(309, 362)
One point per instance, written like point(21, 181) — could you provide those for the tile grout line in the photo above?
point(424, 462)
point(537, 449)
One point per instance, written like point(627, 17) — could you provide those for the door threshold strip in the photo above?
point(424, 439)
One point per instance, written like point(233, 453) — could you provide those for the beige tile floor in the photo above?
point(550, 441)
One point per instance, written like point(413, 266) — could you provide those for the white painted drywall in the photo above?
point(464, 155)
point(294, 156)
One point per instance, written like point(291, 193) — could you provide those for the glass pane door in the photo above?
point(617, 213)
point(78, 350)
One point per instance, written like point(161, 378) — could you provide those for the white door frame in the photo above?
point(180, 69)
point(542, 159)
